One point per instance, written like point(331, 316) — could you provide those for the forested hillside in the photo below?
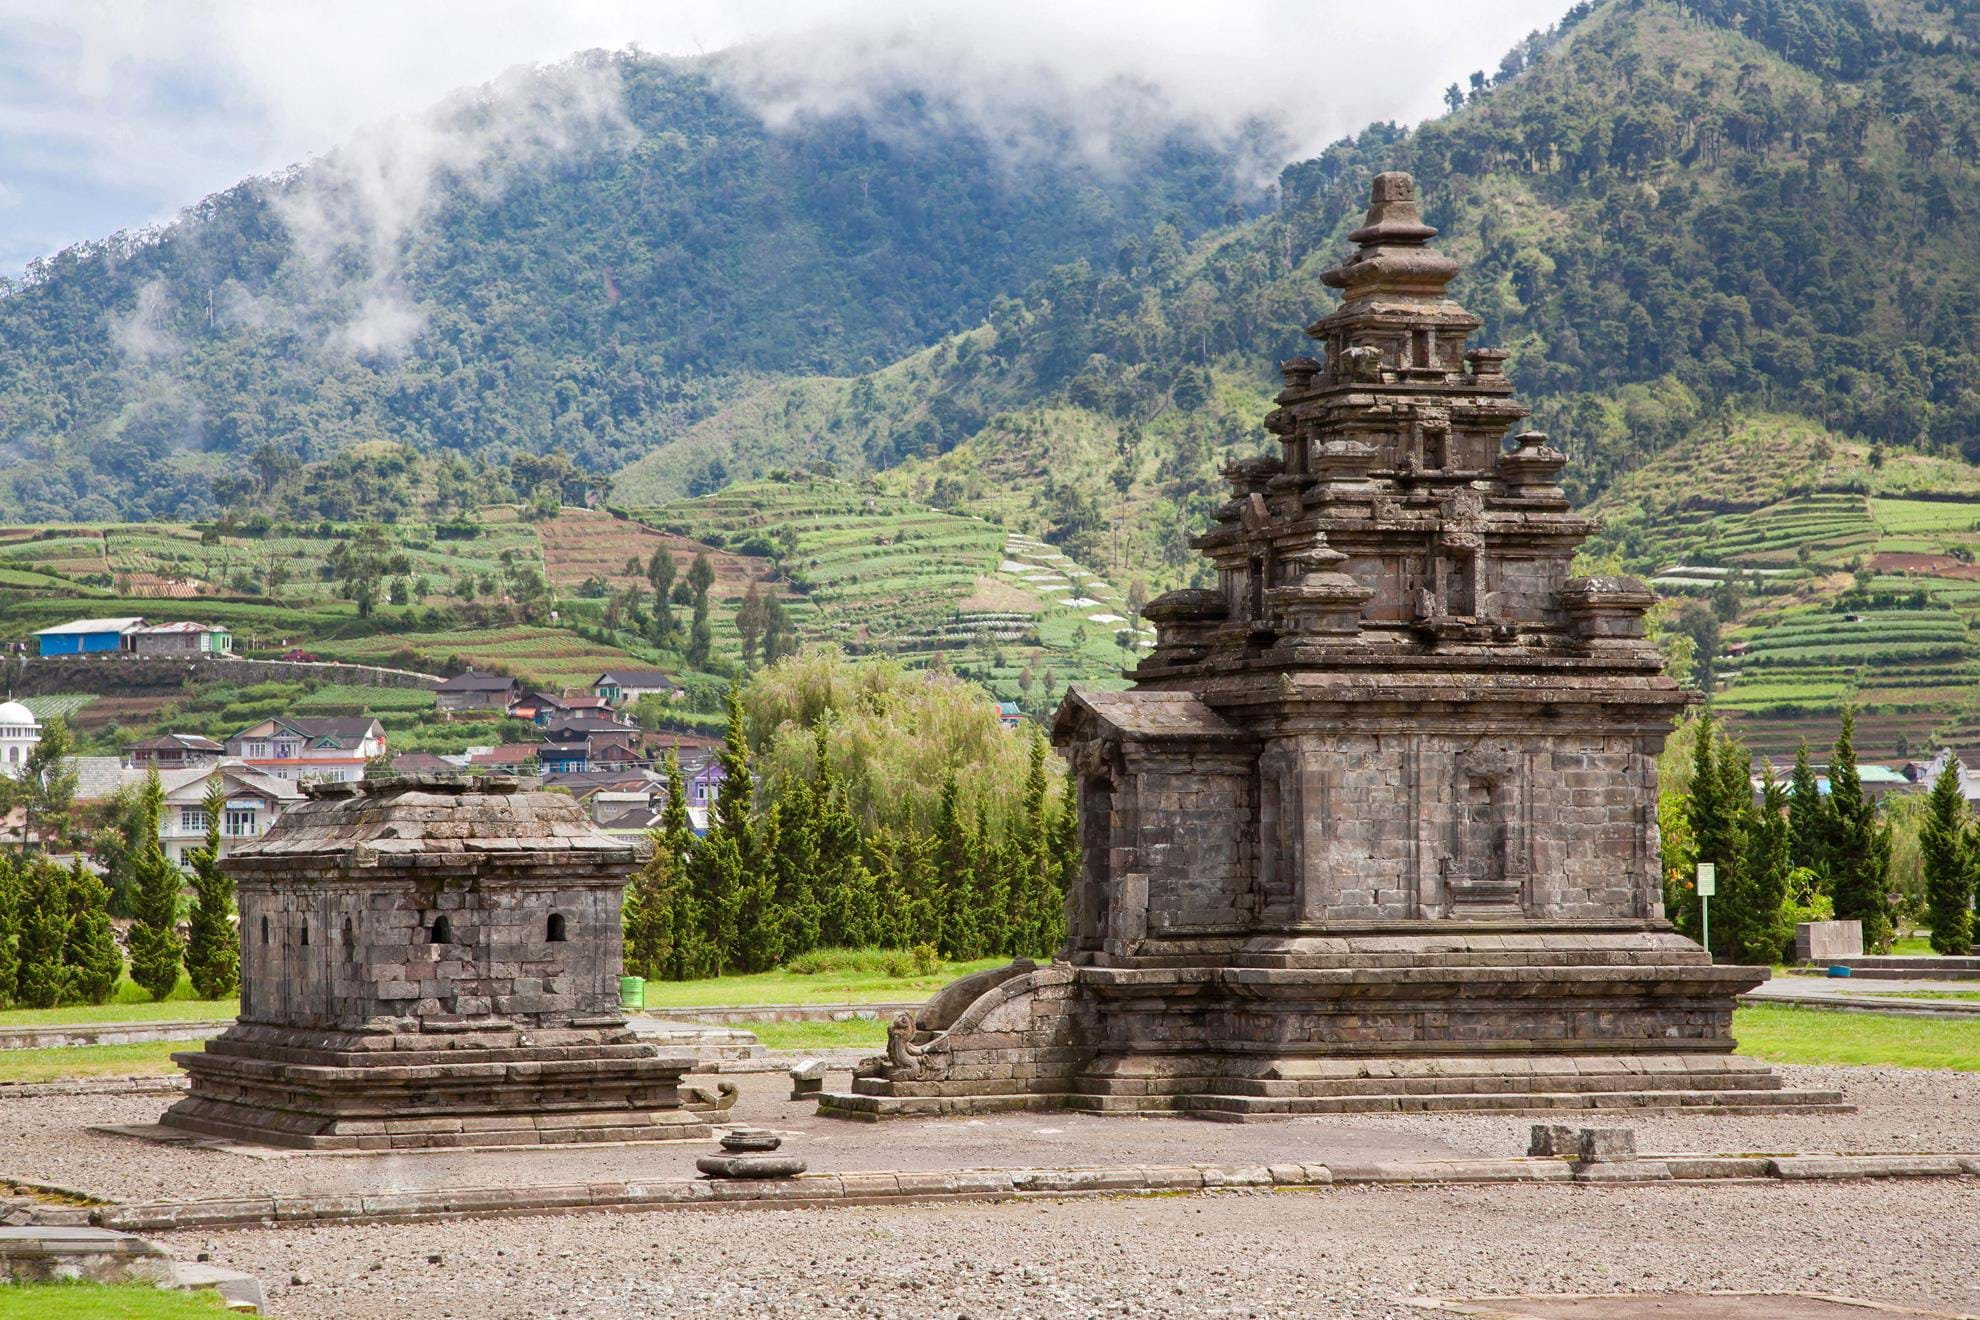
point(1668, 212)
point(1729, 243)
point(582, 264)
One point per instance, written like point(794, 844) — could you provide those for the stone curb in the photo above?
point(882, 1187)
point(160, 1084)
point(110, 1033)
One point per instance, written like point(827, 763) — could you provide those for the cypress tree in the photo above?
point(1714, 822)
point(1859, 845)
point(213, 950)
point(849, 895)
point(10, 926)
point(1761, 934)
point(956, 864)
point(42, 978)
point(734, 893)
point(684, 933)
point(991, 900)
point(1945, 842)
point(654, 893)
point(1808, 818)
point(91, 954)
point(1062, 848)
point(155, 947)
point(797, 869)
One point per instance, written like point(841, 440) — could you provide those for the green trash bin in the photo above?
point(632, 992)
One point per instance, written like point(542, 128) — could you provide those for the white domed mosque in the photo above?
point(19, 732)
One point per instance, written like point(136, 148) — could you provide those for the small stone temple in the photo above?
point(1376, 826)
point(432, 961)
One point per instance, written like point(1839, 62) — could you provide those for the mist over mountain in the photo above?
point(582, 259)
point(693, 271)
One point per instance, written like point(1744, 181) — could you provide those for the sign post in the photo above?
point(1708, 885)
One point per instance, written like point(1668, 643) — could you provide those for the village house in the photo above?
point(253, 802)
point(181, 639)
point(172, 751)
point(539, 707)
point(623, 687)
point(333, 748)
point(515, 757)
point(472, 691)
point(87, 637)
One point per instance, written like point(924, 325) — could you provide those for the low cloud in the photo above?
point(352, 213)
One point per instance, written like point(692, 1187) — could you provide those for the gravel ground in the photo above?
point(1349, 1252)
point(46, 1140)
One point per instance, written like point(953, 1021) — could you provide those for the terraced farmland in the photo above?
point(880, 573)
point(874, 571)
point(1904, 669)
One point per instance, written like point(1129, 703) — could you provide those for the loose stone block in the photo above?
point(1384, 794)
point(384, 1003)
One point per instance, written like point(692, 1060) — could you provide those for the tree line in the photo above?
point(57, 941)
point(1785, 854)
point(798, 857)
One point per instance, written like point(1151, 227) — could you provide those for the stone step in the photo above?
point(1758, 1079)
point(1241, 1107)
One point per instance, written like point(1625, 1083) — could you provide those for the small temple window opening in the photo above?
point(264, 930)
point(556, 934)
point(443, 931)
point(305, 934)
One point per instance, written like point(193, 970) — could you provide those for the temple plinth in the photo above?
point(431, 961)
point(1376, 826)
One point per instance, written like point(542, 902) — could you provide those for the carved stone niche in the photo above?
point(1486, 866)
point(1606, 611)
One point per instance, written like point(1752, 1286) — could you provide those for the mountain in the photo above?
point(583, 262)
point(1660, 208)
point(1728, 243)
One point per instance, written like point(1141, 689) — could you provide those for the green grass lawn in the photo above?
point(1916, 947)
point(1786, 1034)
point(856, 1034)
point(96, 1301)
point(130, 1002)
point(781, 987)
point(147, 1059)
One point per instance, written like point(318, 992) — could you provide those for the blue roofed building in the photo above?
point(88, 637)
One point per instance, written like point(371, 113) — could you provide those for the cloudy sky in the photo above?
point(117, 113)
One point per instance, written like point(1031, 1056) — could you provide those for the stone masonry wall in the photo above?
point(161, 673)
point(370, 953)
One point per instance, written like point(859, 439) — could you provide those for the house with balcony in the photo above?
point(252, 802)
point(302, 750)
point(172, 751)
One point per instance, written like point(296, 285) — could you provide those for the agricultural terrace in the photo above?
point(289, 565)
point(1858, 579)
point(878, 573)
point(872, 570)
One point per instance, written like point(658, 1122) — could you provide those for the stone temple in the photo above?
point(1376, 826)
point(430, 961)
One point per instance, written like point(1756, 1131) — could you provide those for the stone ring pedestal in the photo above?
point(432, 961)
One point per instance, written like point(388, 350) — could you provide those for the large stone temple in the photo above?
point(1375, 827)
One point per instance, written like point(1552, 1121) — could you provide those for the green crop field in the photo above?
point(881, 574)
